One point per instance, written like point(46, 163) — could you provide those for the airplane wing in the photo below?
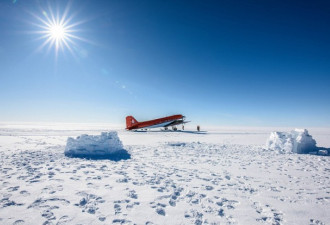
point(176, 122)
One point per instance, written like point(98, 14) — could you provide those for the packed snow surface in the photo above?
point(223, 176)
point(93, 145)
point(296, 141)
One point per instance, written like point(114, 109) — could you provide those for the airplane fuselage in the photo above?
point(133, 124)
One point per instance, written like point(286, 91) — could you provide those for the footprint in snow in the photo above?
point(48, 214)
point(6, 202)
point(229, 204)
point(160, 211)
point(64, 220)
point(194, 216)
point(102, 218)
point(130, 206)
point(11, 189)
point(89, 202)
point(132, 194)
point(119, 204)
point(268, 214)
point(117, 208)
point(121, 221)
point(18, 222)
point(209, 188)
point(316, 222)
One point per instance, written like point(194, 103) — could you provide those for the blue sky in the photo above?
point(240, 63)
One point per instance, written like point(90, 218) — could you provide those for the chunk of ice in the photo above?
point(296, 141)
point(93, 145)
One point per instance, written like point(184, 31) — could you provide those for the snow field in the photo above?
point(171, 178)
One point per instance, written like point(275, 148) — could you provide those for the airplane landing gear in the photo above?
point(174, 128)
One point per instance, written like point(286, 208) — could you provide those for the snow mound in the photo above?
point(94, 146)
point(296, 141)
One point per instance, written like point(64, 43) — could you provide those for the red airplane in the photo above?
point(173, 121)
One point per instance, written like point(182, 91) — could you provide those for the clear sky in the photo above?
point(241, 63)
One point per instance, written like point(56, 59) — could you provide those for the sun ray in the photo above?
point(65, 13)
point(58, 30)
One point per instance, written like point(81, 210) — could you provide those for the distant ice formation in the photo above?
point(296, 141)
point(94, 146)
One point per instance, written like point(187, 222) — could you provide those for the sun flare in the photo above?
point(58, 30)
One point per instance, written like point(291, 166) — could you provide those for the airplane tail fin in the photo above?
point(130, 121)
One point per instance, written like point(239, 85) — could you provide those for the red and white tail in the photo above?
point(130, 121)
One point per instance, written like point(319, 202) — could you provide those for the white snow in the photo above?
point(224, 176)
point(296, 141)
point(93, 145)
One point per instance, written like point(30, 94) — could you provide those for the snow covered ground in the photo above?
point(223, 176)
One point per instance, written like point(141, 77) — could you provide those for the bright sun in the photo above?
point(58, 30)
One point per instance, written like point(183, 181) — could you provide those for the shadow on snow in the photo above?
point(327, 150)
point(117, 156)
